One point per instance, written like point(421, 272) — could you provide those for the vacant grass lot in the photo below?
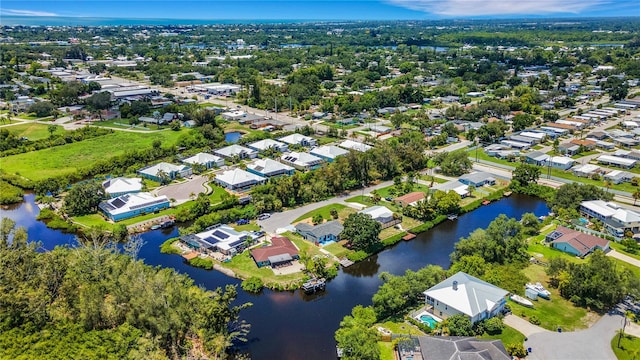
point(66, 159)
point(325, 211)
point(32, 131)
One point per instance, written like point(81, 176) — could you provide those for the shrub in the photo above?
point(534, 320)
point(357, 256)
point(493, 326)
point(168, 248)
point(516, 350)
point(253, 284)
point(201, 263)
point(9, 194)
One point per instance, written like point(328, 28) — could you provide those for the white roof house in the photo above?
point(130, 205)
point(222, 238)
point(238, 179)
point(301, 160)
point(453, 185)
point(328, 152)
point(618, 176)
point(618, 161)
point(269, 168)
point(536, 135)
point(585, 170)
point(121, 185)
point(205, 159)
point(298, 139)
point(615, 218)
point(468, 295)
point(354, 145)
point(170, 170)
point(266, 144)
point(561, 162)
point(378, 213)
point(236, 150)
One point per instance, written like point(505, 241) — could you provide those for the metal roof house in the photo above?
point(269, 168)
point(618, 176)
point(130, 205)
point(222, 238)
point(328, 152)
point(322, 233)
point(205, 159)
point(242, 152)
point(617, 161)
point(263, 145)
point(477, 179)
point(301, 160)
point(170, 170)
point(467, 295)
point(239, 180)
point(616, 219)
point(453, 185)
point(536, 158)
point(122, 185)
point(299, 139)
point(354, 145)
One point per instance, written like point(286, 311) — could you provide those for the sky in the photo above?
point(318, 9)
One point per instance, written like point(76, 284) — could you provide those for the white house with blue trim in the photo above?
point(269, 168)
point(301, 160)
point(121, 185)
point(239, 180)
point(328, 152)
point(205, 159)
point(131, 205)
point(170, 170)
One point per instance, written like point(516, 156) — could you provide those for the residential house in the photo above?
point(266, 144)
point(586, 144)
point(454, 347)
point(616, 219)
point(322, 233)
point(121, 185)
point(165, 171)
point(328, 152)
point(354, 145)
point(220, 238)
point(236, 150)
point(410, 199)
point(466, 295)
point(587, 170)
point(453, 185)
point(130, 205)
point(478, 179)
point(618, 176)
point(239, 180)
point(575, 242)
point(205, 159)
point(617, 161)
point(536, 158)
point(298, 139)
point(301, 160)
point(280, 252)
point(269, 168)
point(382, 215)
point(516, 144)
point(561, 162)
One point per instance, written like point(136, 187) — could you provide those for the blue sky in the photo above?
point(320, 9)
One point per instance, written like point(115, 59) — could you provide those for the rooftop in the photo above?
point(121, 185)
point(279, 245)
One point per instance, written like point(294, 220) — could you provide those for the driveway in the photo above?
point(593, 343)
point(526, 328)
point(181, 191)
point(623, 257)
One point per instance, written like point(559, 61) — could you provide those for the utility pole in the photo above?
point(275, 101)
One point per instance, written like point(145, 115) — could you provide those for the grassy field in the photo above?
point(124, 124)
point(508, 336)
point(629, 347)
point(337, 250)
point(386, 350)
point(216, 193)
point(244, 266)
point(32, 116)
point(481, 155)
point(66, 159)
point(401, 328)
point(325, 211)
point(33, 131)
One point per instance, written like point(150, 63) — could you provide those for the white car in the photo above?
point(264, 216)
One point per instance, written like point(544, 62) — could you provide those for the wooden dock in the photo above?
point(346, 262)
point(409, 236)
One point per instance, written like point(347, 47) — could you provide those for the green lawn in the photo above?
point(386, 192)
point(32, 131)
point(386, 350)
point(337, 250)
point(66, 159)
point(32, 116)
point(124, 124)
point(621, 249)
point(400, 328)
point(247, 227)
point(338, 126)
point(244, 266)
point(508, 335)
point(481, 155)
point(325, 211)
point(216, 195)
point(629, 347)
point(304, 245)
point(569, 176)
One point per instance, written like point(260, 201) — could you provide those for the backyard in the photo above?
point(325, 211)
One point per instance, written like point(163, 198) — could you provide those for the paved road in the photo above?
point(526, 328)
point(623, 257)
point(590, 344)
point(181, 191)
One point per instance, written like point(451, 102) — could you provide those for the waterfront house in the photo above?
point(235, 150)
point(453, 185)
point(382, 215)
point(130, 205)
point(301, 160)
point(477, 179)
point(298, 139)
point(280, 252)
point(269, 168)
point(616, 219)
point(266, 144)
point(455, 347)
point(575, 242)
point(205, 159)
point(466, 295)
point(354, 145)
point(410, 199)
point(220, 238)
point(122, 185)
point(321, 233)
point(328, 152)
point(163, 171)
point(239, 180)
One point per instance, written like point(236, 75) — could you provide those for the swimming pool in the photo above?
point(429, 320)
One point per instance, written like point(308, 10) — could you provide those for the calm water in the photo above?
point(291, 325)
point(232, 136)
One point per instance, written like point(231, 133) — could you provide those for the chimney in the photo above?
point(455, 285)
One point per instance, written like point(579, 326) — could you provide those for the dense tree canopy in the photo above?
point(83, 198)
point(361, 230)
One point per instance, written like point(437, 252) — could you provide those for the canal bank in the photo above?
point(293, 325)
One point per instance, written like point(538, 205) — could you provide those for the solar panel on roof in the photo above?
point(117, 203)
point(219, 234)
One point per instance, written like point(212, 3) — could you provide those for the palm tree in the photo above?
point(607, 184)
point(636, 196)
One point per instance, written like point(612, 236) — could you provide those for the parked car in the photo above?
point(264, 216)
point(242, 222)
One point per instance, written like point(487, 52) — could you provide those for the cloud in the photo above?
point(15, 12)
point(497, 7)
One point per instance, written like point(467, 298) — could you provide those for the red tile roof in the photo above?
point(410, 197)
point(279, 245)
point(584, 243)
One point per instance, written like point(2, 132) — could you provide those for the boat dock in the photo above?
point(346, 262)
point(314, 285)
point(409, 236)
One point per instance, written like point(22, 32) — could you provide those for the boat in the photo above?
point(542, 292)
point(507, 193)
point(486, 202)
point(167, 224)
point(452, 217)
point(155, 227)
point(520, 300)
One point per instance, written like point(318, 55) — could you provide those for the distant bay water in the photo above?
point(96, 21)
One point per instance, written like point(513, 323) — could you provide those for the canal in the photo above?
point(292, 325)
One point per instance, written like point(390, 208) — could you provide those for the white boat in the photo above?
point(542, 292)
point(520, 300)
